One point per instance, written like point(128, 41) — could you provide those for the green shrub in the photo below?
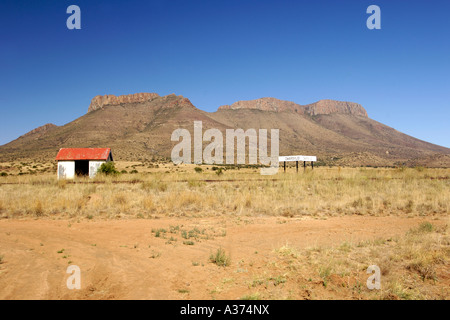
point(220, 258)
point(198, 169)
point(108, 168)
point(425, 227)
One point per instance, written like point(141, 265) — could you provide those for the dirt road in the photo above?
point(163, 258)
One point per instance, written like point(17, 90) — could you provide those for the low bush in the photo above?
point(220, 258)
point(108, 168)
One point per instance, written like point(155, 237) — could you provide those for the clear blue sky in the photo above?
point(219, 52)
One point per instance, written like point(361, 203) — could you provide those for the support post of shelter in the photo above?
point(297, 159)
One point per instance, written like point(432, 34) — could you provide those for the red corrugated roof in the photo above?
point(83, 154)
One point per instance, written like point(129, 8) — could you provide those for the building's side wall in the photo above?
point(93, 167)
point(66, 169)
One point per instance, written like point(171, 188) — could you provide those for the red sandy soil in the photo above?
point(123, 259)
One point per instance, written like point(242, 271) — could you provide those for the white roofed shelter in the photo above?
point(305, 159)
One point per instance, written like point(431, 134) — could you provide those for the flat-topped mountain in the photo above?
point(332, 106)
point(99, 102)
point(319, 107)
point(139, 127)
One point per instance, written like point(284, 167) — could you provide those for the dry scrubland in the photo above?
point(414, 263)
point(181, 191)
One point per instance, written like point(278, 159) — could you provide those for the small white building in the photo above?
point(81, 161)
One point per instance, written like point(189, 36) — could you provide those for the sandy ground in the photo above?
point(124, 259)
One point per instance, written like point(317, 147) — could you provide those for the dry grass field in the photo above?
point(160, 231)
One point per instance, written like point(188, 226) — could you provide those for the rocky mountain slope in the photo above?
point(319, 107)
point(139, 127)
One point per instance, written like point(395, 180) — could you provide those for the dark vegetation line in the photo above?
point(207, 180)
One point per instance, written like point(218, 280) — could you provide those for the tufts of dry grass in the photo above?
point(320, 192)
point(220, 258)
point(413, 266)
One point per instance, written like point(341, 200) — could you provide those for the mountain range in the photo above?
point(138, 127)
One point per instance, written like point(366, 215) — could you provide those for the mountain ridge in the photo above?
point(325, 106)
point(139, 126)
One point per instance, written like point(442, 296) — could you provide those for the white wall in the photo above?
point(93, 167)
point(66, 169)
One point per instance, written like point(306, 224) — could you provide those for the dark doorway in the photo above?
point(82, 167)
